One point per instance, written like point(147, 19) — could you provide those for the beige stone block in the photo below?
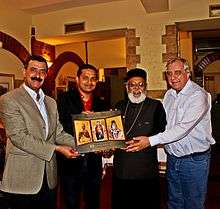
point(159, 94)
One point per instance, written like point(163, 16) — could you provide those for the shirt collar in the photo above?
point(33, 94)
point(186, 88)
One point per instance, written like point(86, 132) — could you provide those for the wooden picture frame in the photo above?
point(6, 82)
point(93, 131)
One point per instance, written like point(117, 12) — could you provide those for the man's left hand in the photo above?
point(137, 143)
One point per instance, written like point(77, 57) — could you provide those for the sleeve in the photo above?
point(195, 108)
point(63, 138)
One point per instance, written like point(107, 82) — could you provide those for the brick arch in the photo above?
point(202, 64)
point(49, 84)
point(14, 46)
point(205, 61)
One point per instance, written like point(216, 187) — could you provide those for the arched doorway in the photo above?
point(49, 85)
point(14, 46)
point(208, 72)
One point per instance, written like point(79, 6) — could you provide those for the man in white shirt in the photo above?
point(187, 138)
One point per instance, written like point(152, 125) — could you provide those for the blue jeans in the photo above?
point(187, 179)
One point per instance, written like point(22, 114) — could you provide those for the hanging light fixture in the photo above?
point(47, 58)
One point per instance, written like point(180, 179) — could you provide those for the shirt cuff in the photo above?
point(154, 140)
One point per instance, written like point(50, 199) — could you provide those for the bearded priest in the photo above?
point(135, 182)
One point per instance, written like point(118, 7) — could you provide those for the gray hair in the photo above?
point(186, 66)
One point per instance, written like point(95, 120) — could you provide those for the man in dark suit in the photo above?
point(34, 132)
point(84, 173)
point(136, 174)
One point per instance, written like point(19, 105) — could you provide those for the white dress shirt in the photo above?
point(188, 127)
point(40, 104)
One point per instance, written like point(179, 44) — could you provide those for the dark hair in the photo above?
point(86, 66)
point(35, 58)
point(136, 72)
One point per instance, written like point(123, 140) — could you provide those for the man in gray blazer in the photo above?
point(34, 136)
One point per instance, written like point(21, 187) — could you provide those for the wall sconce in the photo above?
point(48, 59)
point(101, 75)
point(49, 64)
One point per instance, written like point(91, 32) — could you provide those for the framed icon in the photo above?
point(98, 131)
point(115, 128)
point(83, 132)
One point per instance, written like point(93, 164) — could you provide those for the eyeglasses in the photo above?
point(175, 73)
point(41, 71)
point(87, 79)
point(136, 85)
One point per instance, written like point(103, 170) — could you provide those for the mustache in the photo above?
point(36, 79)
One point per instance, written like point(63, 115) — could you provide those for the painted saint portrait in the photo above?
point(115, 128)
point(99, 130)
point(83, 131)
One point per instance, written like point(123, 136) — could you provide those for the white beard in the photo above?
point(138, 99)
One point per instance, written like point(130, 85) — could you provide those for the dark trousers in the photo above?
point(82, 182)
point(135, 194)
point(44, 199)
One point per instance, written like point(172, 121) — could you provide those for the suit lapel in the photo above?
point(49, 108)
point(51, 118)
point(32, 110)
point(28, 100)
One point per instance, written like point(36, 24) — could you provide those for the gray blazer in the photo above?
point(29, 152)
